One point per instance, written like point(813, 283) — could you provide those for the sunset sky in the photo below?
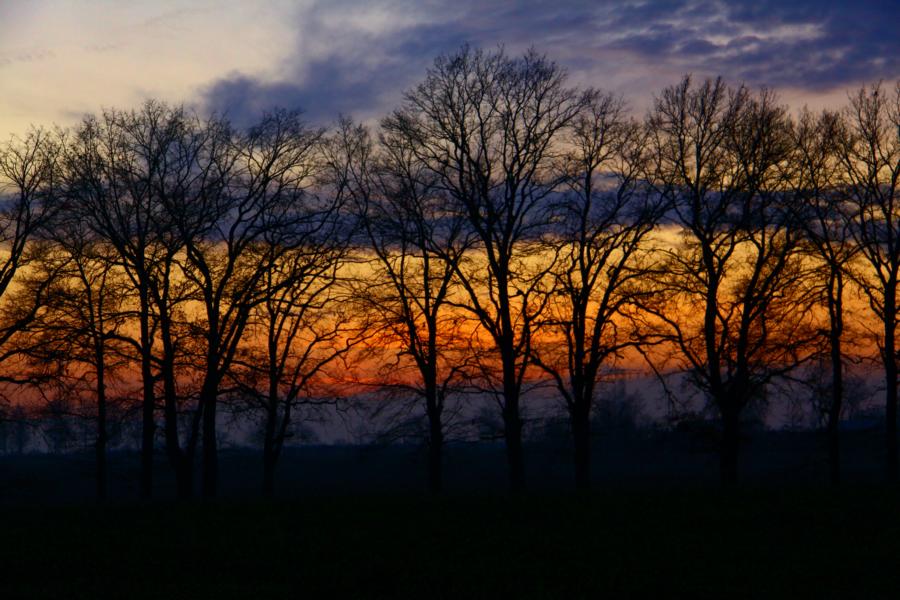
point(60, 59)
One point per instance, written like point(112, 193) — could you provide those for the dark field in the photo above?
point(700, 543)
point(354, 522)
point(643, 460)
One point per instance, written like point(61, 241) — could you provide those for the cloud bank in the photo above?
point(356, 56)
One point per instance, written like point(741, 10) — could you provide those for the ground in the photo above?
point(698, 542)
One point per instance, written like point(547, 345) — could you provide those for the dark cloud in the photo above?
point(357, 72)
point(352, 68)
point(348, 60)
point(805, 44)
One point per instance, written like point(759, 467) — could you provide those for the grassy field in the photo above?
point(685, 543)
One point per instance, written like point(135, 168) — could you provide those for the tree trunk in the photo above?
point(512, 434)
point(148, 424)
point(833, 445)
point(834, 414)
point(102, 436)
point(512, 420)
point(836, 316)
point(181, 460)
point(148, 431)
point(435, 425)
point(210, 450)
point(581, 436)
point(728, 455)
point(435, 453)
point(147, 435)
point(890, 375)
point(270, 454)
point(890, 415)
point(102, 477)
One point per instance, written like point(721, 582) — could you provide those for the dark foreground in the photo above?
point(685, 543)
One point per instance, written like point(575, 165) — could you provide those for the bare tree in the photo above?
point(30, 178)
point(304, 325)
point(250, 212)
point(73, 341)
point(870, 156)
point(415, 246)
point(608, 215)
point(488, 127)
point(124, 167)
point(816, 180)
point(721, 160)
point(31, 175)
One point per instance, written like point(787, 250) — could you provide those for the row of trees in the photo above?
point(499, 230)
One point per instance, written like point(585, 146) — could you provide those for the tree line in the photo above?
point(499, 229)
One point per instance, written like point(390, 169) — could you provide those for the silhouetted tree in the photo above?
point(70, 340)
point(816, 180)
point(488, 126)
point(731, 300)
point(294, 337)
point(503, 230)
point(301, 326)
point(31, 174)
point(250, 210)
point(607, 216)
point(416, 245)
point(870, 154)
point(124, 168)
point(30, 178)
